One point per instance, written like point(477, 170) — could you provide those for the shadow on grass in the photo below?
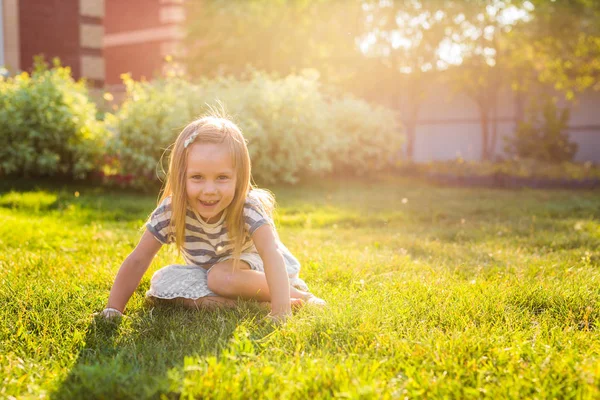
point(133, 357)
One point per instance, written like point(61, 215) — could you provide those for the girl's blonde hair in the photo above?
point(220, 130)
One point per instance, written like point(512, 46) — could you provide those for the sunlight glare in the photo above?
point(512, 14)
point(399, 41)
point(450, 52)
point(491, 10)
point(488, 32)
point(367, 42)
point(499, 16)
point(459, 19)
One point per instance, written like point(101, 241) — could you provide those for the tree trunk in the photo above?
point(409, 105)
point(519, 104)
point(494, 122)
point(484, 134)
point(410, 138)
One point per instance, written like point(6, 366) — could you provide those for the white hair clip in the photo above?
point(190, 140)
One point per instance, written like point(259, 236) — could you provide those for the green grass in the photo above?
point(450, 293)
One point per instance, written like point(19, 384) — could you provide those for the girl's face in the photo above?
point(210, 179)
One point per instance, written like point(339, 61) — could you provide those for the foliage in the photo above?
point(279, 36)
point(569, 62)
point(294, 129)
point(289, 131)
point(543, 137)
point(406, 37)
point(48, 124)
point(505, 44)
point(489, 58)
point(147, 123)
point(367, 138)
point(432, 292)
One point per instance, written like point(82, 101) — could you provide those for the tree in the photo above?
point(419, 40)
point(543, 135)
point(489, 57)
point(406, 35)
point(560, 51)
point(392, 50)
point(281, 36)
point(564, 40)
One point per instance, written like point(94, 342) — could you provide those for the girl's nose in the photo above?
point(209, 187)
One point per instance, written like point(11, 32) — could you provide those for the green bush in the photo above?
point(148, 121)
point(48, 124)
point(289, 132)
point(368, 138)
point(542, 137)
point(294, 129)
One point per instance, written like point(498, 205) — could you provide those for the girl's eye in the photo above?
point(223, 177)
point(197, 177)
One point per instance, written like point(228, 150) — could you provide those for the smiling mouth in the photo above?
point(208, 203)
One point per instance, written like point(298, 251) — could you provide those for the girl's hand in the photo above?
point(296, 303)
point(279, 318)
point(110, 313)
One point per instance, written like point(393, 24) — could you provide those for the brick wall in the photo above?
point(142, 60)
point(138, 36)
point(131, 15)
point(91, 37)
point(50, 27)
point(71, 30)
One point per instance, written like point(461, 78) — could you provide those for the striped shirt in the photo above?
point(206, 244)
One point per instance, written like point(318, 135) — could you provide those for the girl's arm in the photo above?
point(277, 277)
point(131, 271)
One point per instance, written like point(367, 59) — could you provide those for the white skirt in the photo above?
point(191, 281)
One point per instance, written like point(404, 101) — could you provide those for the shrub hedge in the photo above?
point(543, 135)
point(48, 124)
point(294, 128)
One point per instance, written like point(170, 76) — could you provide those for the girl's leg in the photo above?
point(244, 282)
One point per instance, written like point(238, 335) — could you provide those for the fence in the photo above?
point(449, 126)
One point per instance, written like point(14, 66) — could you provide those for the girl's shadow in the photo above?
point(131, 357)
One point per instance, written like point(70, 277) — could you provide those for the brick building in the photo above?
point(98, 39)
point(138, 35)
point(69, 29)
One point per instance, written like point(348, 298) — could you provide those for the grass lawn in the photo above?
point(433, 293)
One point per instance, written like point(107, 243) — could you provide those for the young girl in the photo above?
point(222, 226)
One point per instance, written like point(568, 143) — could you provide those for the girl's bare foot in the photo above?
point(299, 294)
point(315, 301)
point(306, 297)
